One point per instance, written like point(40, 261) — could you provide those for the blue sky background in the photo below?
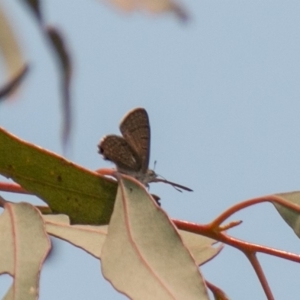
point(223, 96)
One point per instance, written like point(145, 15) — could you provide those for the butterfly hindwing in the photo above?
point(117, 150)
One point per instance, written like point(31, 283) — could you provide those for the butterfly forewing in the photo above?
point(135, 129)
point(116, 149)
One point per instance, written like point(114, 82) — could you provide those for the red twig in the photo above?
point(206, 230)
point(260, 274)
point(249, 249)
point(12, 187)
point(106, 172)
point(230, 225)
point(272, 198)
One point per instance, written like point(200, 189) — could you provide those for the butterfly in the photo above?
point(131, 151)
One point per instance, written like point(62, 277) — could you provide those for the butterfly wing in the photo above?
point(117, 150)
point(135, 129)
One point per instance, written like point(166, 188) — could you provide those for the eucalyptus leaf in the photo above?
point(24, 247)
point(143, 255)
point(291, 217)
point(67, 188)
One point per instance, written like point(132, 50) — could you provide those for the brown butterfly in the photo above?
point(131, 152)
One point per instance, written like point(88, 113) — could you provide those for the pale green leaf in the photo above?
point(143, 255)
point(88, 238)
point(291, 217)
point(200, 246)
point(24, 245)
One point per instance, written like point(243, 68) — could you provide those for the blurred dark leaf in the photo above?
point(14, 63)
point(66, 73)
point(11, 86)
point(35, 6)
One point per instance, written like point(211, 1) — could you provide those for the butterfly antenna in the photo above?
point(176, 186)
point(165, 180)
point(154, 166)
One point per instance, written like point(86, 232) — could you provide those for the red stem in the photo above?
point(272, 198)
point(260, 274)
point(206, 230)
point(12, 188)
point(248, 249)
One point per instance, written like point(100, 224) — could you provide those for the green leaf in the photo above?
point(24, 247)
point(11, 86)
point(291, 217)
point(143, 255)
point(84, 196)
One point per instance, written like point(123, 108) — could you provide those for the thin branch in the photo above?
point(248, 249)
point(206, 230)
point(230, 225)
point(232, 210)
point(260, 274)
point(12, 188)
point(106, 172)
